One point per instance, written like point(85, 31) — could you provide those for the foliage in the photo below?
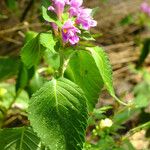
point(55, 85)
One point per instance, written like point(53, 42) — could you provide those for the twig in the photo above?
point(20, 28)
point(11, 40)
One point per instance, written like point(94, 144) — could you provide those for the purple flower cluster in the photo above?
point(145, 7)
point(78, 16)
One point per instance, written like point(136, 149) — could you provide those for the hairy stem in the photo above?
point(62, 63)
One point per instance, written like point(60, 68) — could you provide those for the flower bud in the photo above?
point(105, 123)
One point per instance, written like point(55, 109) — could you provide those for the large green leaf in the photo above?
point(103, 64)
point(22, 138)
point(8, 67)
point(83, 71)
point(31, 52)
point(58, 113)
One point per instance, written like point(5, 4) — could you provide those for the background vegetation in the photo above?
point(123, 31)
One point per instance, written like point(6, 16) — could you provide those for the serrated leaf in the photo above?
point(83, 71)
point(22, 138)
point(47, 40)
point(31, 52)
point(103, 64)
point(58, 113)
point(8, 67)
point(29, 36)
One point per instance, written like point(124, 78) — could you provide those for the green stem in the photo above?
point(62, 61)
point(6, 112)
point(136, 129)
point(42, 146)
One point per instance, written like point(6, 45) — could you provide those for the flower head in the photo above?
point(85, 19)
point(83, 15)
point(69, 33)
point(145, 8)
point(58, 7)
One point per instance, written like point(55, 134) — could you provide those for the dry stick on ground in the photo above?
point(11, 40)
point(20, 27)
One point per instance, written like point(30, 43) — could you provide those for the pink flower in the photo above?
point(69, 33)
point(85, 19)
point(76, 3)
point(58, 7)
point(75, 6)
point(83, 16)
point(54, 26)
point(145, 8)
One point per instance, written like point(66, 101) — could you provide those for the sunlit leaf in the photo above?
point(58, 113)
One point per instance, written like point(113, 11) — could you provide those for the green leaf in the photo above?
point(24, 76)
point(103, 64)
point(141, 101)
point(21, 101)
point(127, 145)
point(83, 71)
point(144, 53)
point(18, 139)
point(86, 36)
point(29, 36)
point(124, 116)
point(31, 52)
point(11, 4)
point(35, 84)
point(48, 15)
point(52, 58)
point(127, 20)
point(47, 40)
point(8, 67)
point(58, 113)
